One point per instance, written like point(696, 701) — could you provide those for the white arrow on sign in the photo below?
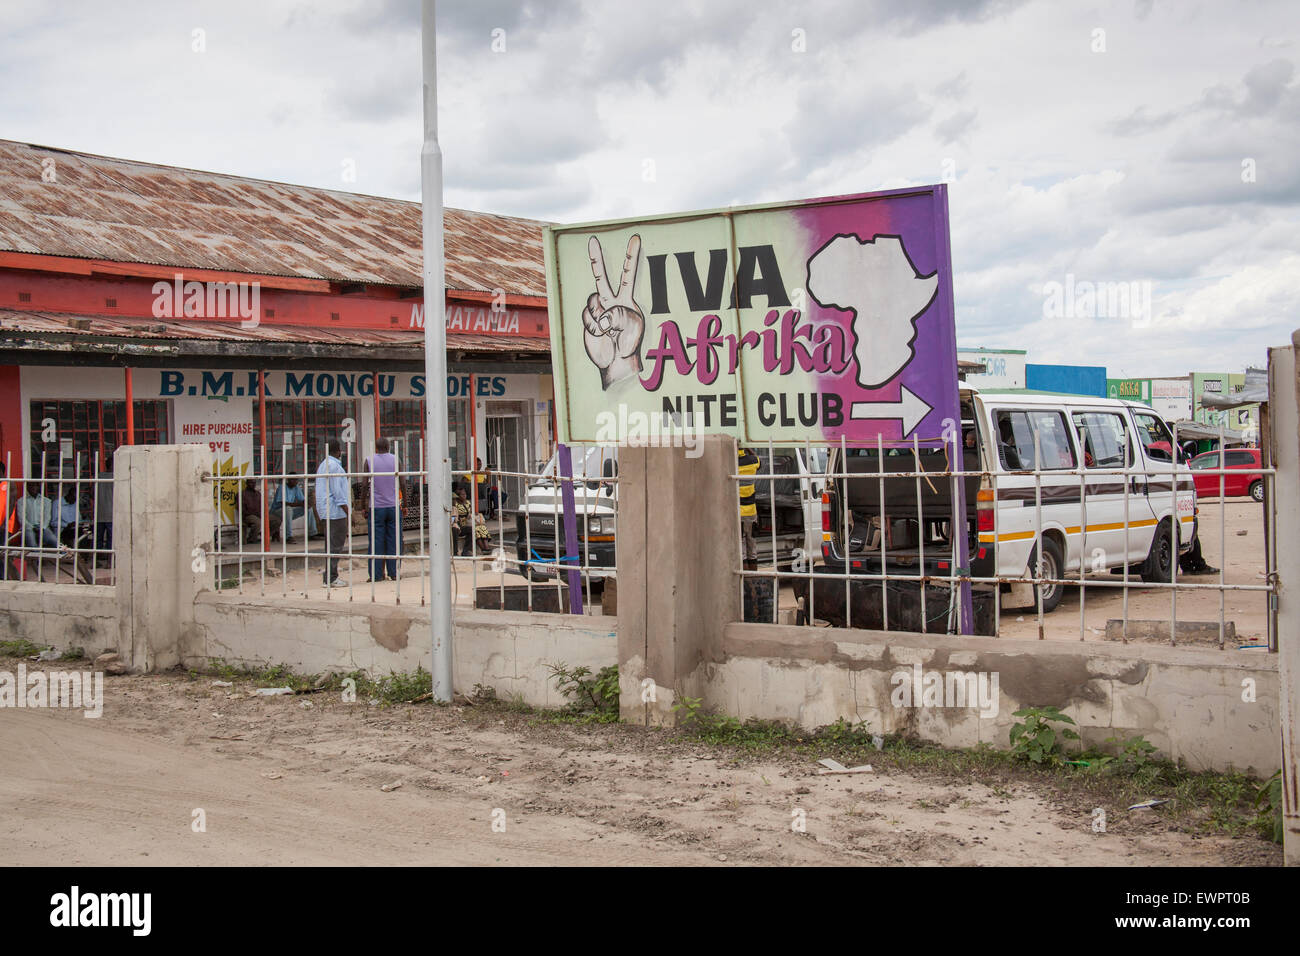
point(910, 407)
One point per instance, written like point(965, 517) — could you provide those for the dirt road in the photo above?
point(1242, 541)
point(280, 782)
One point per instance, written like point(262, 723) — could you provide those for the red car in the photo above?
point(1241, 475)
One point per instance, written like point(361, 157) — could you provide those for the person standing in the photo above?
point(104, 514)
point(747, 465)
point(496, 495)
point(333, 507)
point(480, 476)
point(382, 518)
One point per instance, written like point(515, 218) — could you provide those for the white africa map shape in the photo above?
point(874, 280)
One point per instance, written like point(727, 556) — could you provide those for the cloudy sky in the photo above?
point(1143, 141)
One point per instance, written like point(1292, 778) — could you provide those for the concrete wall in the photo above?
point(162, 524)
point(506, 650)
point(680, 633)
point(1187, 702)
point(161, 613)
point(678, 542)
point(62, 615)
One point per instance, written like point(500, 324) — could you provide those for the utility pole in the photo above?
point(435, 367)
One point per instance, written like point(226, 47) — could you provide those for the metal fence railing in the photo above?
point(57, 524)
point(887, 552)
point(280, 533)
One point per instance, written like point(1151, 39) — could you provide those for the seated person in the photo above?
point(66, 518)
point(970, 455)
point(462, 524)
point(36, 513)
point(250, 501)
point(289, 493)
point(1007, 446)
point(73, 532)
point(1088, 460)
point(496, 499)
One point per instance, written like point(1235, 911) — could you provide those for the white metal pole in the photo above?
point(435, 367)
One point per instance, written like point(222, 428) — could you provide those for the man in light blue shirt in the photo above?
point(290, 502)
point(333, 507)
point(66, 512)
point(37, 513)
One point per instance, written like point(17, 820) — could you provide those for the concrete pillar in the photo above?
point(162, 512)
point(678, 540)
point(1284, 416)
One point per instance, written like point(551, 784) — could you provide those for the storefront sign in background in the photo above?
point(1129, 389)
point(815, 319)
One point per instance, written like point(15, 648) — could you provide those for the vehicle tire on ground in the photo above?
point(1257, 489)
point(1159, 565)
point(1053, 567)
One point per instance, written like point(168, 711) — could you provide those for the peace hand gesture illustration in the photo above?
point(613, 323)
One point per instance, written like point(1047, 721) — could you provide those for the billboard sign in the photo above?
point(804, 320)
point(1170, 388)
point(1129, 389)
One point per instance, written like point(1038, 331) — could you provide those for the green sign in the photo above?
point(1129, 389)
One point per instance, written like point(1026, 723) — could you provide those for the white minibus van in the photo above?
point(1089, 478)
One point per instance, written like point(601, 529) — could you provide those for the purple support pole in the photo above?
point(570, 531)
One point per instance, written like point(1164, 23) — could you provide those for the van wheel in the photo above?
point(1257, 490)
point(1053, 567)
point(1159, 566)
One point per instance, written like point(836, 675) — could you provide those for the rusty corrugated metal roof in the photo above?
point(117, 326)
point(101, 208)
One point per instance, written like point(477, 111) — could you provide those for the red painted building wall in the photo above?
point(11, 417)
point(373, 307)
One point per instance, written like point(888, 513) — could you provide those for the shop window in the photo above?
point(79, 436)
point(401, 421)
point(296, 432)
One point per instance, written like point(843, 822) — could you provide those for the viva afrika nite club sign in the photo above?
point(817, 320)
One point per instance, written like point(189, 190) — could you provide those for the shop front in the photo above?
point(74, 422)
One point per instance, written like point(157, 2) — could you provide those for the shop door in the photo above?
point(505, 452)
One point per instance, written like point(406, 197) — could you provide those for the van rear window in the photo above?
point(1016, 431)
